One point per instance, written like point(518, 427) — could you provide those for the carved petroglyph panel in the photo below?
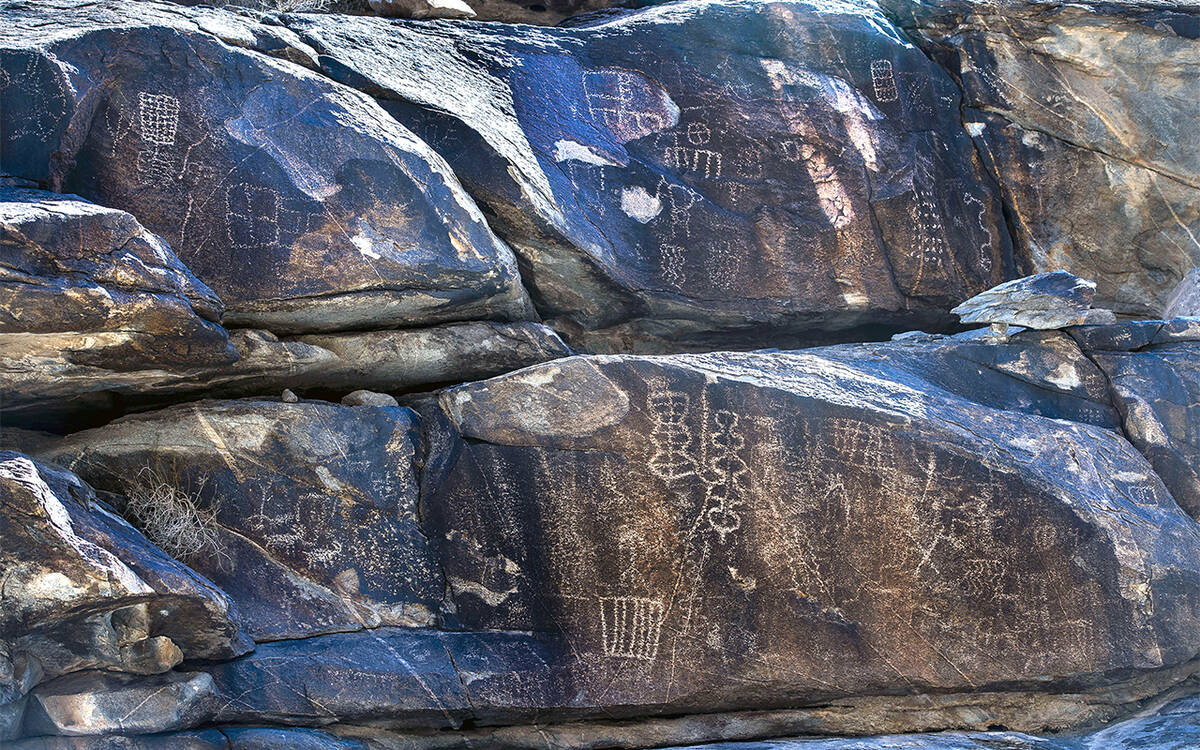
point(883, 81)
point(631, 626)
point(628, 103)
point(158, 118)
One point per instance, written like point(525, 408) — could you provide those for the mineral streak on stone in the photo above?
point(700, 175)
point(1185, 298)
point(1100, 175)
point(1057, 299)
point(302, 203)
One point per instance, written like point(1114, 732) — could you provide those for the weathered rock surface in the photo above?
point(1044, 301)
point(83, 590)
point(422, 8)
point(1185, 298)
point(1085, 111)
point(97, 703)
point(1157, 391)
point(301, 202)
point(90, 294)
point(315, 506)
point(397, 360)
point(699, 175)
point(795, 525)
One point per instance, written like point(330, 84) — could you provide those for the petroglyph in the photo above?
point(985, 247)
point(631, 626)
point(883, 81)
point(702, 160)
point(628, 103)
point(158, 118)
point(672, 460)
point(252, 215)
point(673, 258)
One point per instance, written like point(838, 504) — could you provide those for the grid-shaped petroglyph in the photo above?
point(883, 81)
point(671, 460)
point(673, 259)
point(158, 118)
point(631, 626)
point(624, 102)
point(252, 215)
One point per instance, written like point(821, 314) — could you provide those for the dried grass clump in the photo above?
point(170, 516)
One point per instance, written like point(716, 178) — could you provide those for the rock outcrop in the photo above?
point(83, 590)
point(89, 295)
point(1044, 301)
point(294, 453)
point(314, 506)
point(1085, 112)
point(298, 200)
point(699, 174)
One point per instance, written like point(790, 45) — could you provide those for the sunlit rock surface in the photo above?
point(700, 173)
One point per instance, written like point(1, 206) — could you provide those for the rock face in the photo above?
point(84, 590)
point(48, 394)
point(1185, 299)
point(1044, 301)
point(88, 294)
point(1100, 177)
point(299, 201)
point(315, 506)
point(827, 499)
point(697, 174)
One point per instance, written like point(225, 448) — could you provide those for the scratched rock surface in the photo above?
point(84, 590)
point(77, 397)
point(1185, 298)
point(1085, 112)
point(696, 175)
point(315, 506)
point(730, 530)
point(302, 203)
point(89, 295)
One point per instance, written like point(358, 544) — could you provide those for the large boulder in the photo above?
point(1086, 113)
point(302, 203)
point(314, 506)
point(90, 300)
point(723, 531)
point(84, 590)
point(697, 175)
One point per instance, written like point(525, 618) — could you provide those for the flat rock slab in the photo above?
point(324, 364)
point(315, 506)
point(696, 174)
point(98, 703)
point(302, 203)
point(1056, 299)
